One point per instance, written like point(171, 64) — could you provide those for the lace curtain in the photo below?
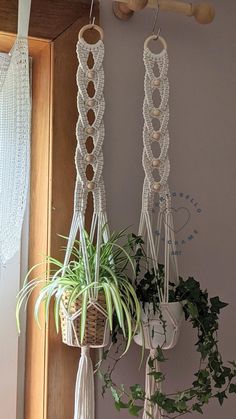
point(15, 115)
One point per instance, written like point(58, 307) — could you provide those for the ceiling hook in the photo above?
point(91, 17)
point(157, 11)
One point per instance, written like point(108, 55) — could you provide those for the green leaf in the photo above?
point(221, 396)
point(134, 409)
point(51, 293)
point(120, 405)
point(192, 309)
point(158, 398)
point(181, 405)
point(158, 376)
point(40, 299)
point(115, 395)
point(83, 316)
point(110, 271)
point(137, 305)
point(129, 326)
point(56, 309)
point(217, 305)
point(150, 362)
point(126, 254)
point(108, 304)
point(197, 408)
point(137, 392)
point(232, 388)
point(25, 294)
point(160, 355)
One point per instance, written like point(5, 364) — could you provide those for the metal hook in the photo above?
point(157, 11)
point(91, 19)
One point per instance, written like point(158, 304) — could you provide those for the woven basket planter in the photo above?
point(154, 333)
point(96, 329)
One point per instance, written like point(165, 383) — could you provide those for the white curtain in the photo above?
point(15, 116)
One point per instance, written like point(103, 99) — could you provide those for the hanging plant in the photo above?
point(212, 380)
point(161, 320)
point(68, 289)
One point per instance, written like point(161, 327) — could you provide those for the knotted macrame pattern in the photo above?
point(15, 111)
point(89, 109)
point(157, 168)
point(94, 159)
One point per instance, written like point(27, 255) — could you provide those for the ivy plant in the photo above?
point(213, 379)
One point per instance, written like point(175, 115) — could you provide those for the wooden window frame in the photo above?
point(51, 366)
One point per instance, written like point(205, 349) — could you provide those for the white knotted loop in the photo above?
point(92, 160)
point(151, 112)
point(84, 390)
point(151, 386)
point(85, 131)
point(157, 167)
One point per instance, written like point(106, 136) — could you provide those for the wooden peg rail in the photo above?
point(203, 12)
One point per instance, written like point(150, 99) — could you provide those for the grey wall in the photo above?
point(203, 151)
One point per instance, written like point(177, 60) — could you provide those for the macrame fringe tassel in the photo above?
point(84, 390)
point(151, 386)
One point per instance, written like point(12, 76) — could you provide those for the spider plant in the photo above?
point(113, 281)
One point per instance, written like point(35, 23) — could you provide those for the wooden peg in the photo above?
point(204, 13)
point(122, 10)
point(136, 5)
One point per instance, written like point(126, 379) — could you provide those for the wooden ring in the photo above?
point(91, 26)
point(155, 38)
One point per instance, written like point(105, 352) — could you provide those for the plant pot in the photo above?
point(96, 328)
point(154, 333)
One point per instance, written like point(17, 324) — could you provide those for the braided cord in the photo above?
point(155, 166)
point(94, 133)
point(84, 130)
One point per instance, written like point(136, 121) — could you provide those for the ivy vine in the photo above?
point(212, 380)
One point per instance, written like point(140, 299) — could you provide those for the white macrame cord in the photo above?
point(157, 169)
point(84, 391)
point(157, 164)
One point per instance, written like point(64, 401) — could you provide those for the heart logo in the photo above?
point(181, 217)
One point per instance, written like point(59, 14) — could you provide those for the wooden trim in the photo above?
point(50, 365)
point(36, 45)
point(40, 51)
point(63, 360)
point(49, 18)
point(40, 221)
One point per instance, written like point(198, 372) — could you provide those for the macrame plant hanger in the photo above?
point(157, 169)
point(84, 391)
point(15, 115)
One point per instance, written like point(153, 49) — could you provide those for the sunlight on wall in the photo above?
point(12, 348)
point(9, 286)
